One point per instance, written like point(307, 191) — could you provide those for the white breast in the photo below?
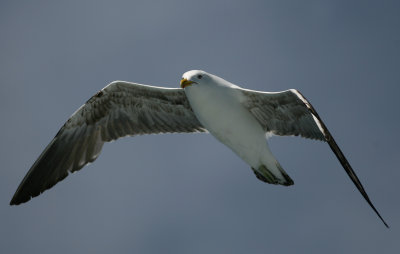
point(219, 110)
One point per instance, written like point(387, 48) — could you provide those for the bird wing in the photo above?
point(283, 113)
point(119, 109)
point(290, 113)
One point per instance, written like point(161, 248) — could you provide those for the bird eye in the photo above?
point(199, 76)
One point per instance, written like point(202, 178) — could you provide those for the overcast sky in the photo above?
point(183, 193)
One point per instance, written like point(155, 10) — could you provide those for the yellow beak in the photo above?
point(185, 82)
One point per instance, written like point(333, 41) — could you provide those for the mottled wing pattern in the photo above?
point(290, 113)
point(120, 109)
point(283, 113)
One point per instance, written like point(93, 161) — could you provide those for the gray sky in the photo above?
point(189, 193)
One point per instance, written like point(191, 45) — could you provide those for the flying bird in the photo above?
point(242, 119)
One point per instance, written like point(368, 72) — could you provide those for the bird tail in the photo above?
point(269, 176)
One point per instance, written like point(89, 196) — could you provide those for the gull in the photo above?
point(242, 119)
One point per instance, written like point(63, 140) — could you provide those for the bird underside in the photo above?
point(129, 109)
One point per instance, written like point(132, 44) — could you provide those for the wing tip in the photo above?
point(387, 226)
point(376, 211)
point(17, 199)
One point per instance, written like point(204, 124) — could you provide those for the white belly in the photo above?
point(221, 113)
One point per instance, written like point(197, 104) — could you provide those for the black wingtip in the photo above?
point(342, 159)
point(350, 172)
point(384, 222)
point(375, 210)
point(13, 202)
point(17, 199)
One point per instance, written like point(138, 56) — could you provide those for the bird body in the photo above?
point(220, 110)
point(240, 118)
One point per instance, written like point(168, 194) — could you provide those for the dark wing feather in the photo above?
point(290, 113)
point(282, 113)
point(120, 109)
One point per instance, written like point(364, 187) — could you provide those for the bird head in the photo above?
point(194, 77)
point(204, 79)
